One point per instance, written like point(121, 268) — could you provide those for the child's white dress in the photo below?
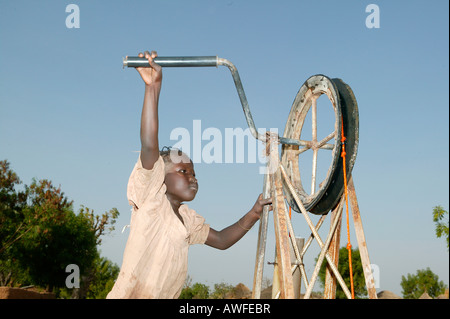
point(156, 254)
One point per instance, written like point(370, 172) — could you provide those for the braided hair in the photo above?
point(167, 151)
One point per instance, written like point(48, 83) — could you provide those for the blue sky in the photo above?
point(70, 113)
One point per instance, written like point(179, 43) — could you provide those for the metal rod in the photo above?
point(291, 141)
point(242, 97)
point(175, 61)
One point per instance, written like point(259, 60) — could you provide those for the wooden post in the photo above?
point(296, 275)
point(262, 238)
point(370, 283)
point(333, 250)
point(279, 216)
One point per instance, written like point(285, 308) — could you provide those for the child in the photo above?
point(162, 227)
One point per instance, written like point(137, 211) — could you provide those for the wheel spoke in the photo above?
point(323, 143)
point(298, 152)
point(314, 171)
point(314, 119)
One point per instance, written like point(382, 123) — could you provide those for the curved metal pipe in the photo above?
point(208, 61)
point(242, 97)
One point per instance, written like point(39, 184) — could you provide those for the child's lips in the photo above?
point(194, 186)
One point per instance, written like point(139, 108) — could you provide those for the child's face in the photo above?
point(180, 181)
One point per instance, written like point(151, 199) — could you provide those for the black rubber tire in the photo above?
point(350, 115)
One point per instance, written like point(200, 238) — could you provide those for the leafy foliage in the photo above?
point(201, 291)
point(221, 290)
point(413, 286)
point(359, 282)
point(40, 235)
point(96, 284)
point(196, 291)
point(54, 238)
point(105, 273)
point(440, 218)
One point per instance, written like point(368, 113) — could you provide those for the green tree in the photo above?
point(100, 277)
point(440, 218)
point(105, 274)
point(54, 237)
point(359, 282)
point(413, 286)
point(100, 225)
point(12, 202)
point(101, 280)
point(195, 291)
point(221, 290)
point(40, 235)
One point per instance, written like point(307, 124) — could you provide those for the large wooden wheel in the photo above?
point(325, 185)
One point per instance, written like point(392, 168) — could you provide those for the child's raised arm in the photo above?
point(152, 77)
